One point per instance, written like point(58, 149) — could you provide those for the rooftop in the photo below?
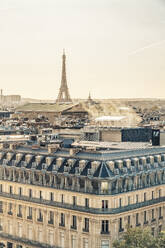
point(115, 167)
point(110, 118)
point(40, 107)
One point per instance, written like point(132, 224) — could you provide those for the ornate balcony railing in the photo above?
point(83, 208)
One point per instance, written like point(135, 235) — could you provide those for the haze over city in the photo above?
point(114, 48)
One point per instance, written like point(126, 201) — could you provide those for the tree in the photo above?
point(136, 237)
point(160, 240)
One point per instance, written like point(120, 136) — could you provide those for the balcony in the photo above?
point(62, 224)
point(10, 213)
point(40, 219)
point(105, 232)
point(73, 227)
point(19, 215)
point(29, 217)
point(51, 222)
point(121, 230)
point(85, 229)
point(83, 208)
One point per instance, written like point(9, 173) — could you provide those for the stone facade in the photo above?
point(74, 198)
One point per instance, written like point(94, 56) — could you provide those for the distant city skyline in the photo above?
point(114, 48)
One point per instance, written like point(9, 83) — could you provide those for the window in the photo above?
point(137, 219)
point(160, 213)
point(11, 190)
point(19, 211)
point(137, 198)
point(144, 196)
point(40, 235)
point(51, 196)
point(9, 245)
point(1, 224)
point(104, 187)
point(86, 225)
point(120, 203)
point(86, 202)
point(20, 229)
point(1, 188)
point(145, 217)
point(105, 226)
point(1, 206)
point(40, 216)
point(74, 222)
point(129, 200)
point(129, 220)
point(40, 194)
point(50, 237)
point(104, 204)
point(10, 209)
point(73, 241)
point(160, 193)
point(10, 227)
point(62, 240)
point(160, 228)
point(62, 198)
point(104, 243)
point(30, 232)
point(62, 220)
point(120, 225)
point(29, 213)
point(74, 200)
point(19, 246)
point(20, 191)
point(153, 215)
point(51, 218)
point(85, 243)
point(30, 193)
point(152, 195)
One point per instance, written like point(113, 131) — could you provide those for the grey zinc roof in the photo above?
point(102, 170)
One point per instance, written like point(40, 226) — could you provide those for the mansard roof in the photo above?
point(95, 164)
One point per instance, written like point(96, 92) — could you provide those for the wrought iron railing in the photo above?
point(83, 208)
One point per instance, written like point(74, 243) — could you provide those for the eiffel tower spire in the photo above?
point(63, 95)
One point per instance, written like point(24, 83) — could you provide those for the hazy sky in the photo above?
point(114, 48)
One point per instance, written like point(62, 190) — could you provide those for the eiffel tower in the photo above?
point(63, 95)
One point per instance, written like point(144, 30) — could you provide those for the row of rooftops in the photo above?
point(100, 164)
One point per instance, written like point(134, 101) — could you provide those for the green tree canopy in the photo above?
point(140, 238)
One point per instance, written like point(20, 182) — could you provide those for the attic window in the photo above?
point(104, 186)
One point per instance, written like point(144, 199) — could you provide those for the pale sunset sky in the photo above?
point(114, 48)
